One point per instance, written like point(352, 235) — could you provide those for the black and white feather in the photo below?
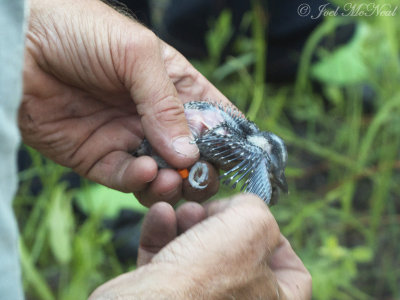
point(248, 156)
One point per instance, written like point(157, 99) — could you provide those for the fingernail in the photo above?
point(185, 146)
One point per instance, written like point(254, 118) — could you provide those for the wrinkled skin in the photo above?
point(96, 84)
point(226, 250)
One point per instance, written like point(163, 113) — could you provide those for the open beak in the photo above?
point(281, 182)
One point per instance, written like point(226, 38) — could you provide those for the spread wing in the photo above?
point(243, 162)
point(258, 183)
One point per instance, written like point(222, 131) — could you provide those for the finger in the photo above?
point(121, 171)
point(158, 229)
point(161, 111)
point(198, 195)
point(292, 275)
point(231, 248)
point(188, 215)
point(167, 186)
point(245, 223)
point(190, 83)
point(216, 206)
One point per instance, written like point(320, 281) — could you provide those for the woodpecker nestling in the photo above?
point(225, 138)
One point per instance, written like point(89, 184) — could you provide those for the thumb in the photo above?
point(162, 114)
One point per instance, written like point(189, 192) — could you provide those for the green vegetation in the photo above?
point(342, 214)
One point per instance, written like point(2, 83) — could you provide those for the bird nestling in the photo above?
point(225, 138)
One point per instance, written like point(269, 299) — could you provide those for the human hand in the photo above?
point(96, 84)
point(227, 250)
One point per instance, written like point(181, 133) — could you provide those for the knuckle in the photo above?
point(168, 109)
point(262, 219)
point(144, 43)
point(308, 281)
point(138, 50)
point(26, 119)
point(309, 278)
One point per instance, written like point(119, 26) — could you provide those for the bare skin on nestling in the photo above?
point(96, 84)
point(256, 159)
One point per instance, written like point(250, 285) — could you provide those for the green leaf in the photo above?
point(103, 201)
point(332, 249)
point(218, 38)
point(32, 275)
point(60, 224)
point(345, 66)
point(362, 254)
point(233, 65)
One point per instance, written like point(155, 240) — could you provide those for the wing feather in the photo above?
point(243, 163)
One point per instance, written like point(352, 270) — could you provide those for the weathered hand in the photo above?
point(228, 250)
point(96, 83)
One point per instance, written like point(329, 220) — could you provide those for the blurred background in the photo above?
point(322, 75)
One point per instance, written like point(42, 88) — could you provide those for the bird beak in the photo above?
point(281, 182)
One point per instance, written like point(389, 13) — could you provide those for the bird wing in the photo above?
point(244, 163)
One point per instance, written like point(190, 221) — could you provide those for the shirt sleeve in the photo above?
point(12, 28)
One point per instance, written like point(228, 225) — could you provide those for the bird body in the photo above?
point(225, 138)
